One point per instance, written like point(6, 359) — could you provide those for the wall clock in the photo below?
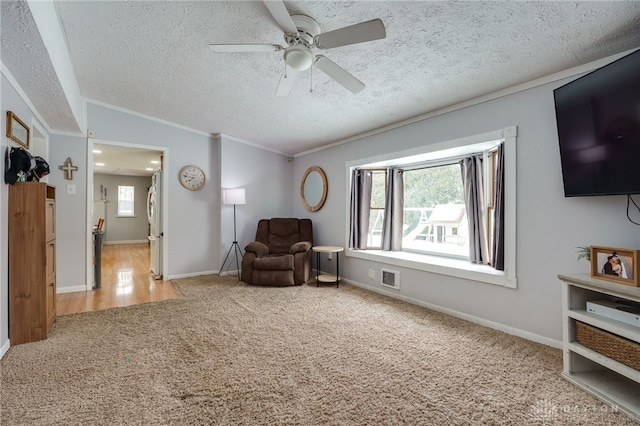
point(192, 177)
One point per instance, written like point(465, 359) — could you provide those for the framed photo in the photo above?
point(17, 130)
point(615, 264)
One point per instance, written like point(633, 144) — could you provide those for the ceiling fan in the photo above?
point(302, 34)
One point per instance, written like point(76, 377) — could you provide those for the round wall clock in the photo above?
point(192, 177)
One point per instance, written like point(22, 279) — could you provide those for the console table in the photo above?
point(604, 377)
point(327, 278)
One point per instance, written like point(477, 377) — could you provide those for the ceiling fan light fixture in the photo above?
point(298, 57)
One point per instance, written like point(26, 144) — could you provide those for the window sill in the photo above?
point(132, 217)
point(437, 265)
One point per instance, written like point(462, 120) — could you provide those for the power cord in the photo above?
point(629, 201)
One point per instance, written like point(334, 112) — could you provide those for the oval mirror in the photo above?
point(313, 188)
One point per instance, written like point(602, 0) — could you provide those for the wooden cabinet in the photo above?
point(32, 261)
point(608, 379)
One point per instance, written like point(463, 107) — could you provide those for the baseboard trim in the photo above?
point(127, 242)
point(71, 289)
point(225, 273)
point(195, 274)
point(5, 348)
point(471, 318)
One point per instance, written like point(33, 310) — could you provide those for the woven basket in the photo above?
point(617, 348)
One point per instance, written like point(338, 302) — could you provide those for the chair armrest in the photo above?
point(258, 248)
point(300, 247)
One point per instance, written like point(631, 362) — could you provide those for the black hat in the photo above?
point(41, 169)
point(18, 162)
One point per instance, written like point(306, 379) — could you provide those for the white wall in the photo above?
point(71, 211)
point(267, 178)
point(549, 226)
point(192, 230)
point(124, 229)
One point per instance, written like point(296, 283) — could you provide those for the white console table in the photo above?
point(609, 380)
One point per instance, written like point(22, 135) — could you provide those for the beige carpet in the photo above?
point(230, 354)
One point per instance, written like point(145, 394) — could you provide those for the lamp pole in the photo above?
point(233, 196)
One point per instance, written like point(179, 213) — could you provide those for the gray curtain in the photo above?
point(474, 200)
point(360, 208)
point(498, 225)
point(393, 211)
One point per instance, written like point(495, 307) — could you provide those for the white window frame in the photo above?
point(443, 265)
point(133, 212)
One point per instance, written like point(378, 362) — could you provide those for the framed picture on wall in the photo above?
point(17, 130)
point(615, 264)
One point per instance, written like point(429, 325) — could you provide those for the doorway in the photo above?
point(118, 181)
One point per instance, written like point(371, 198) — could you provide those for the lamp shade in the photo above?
point(233, 196)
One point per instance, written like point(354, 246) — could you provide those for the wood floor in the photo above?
point(125, 281)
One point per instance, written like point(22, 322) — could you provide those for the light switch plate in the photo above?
point(71, 189)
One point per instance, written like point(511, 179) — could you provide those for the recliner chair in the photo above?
point(280, 254)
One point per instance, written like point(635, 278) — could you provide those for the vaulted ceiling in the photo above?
point(153, 58)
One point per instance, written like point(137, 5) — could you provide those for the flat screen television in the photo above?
point(598, 120)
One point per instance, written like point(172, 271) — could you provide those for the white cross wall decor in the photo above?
point(69, 168)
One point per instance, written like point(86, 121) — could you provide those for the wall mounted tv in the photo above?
point(598, 119)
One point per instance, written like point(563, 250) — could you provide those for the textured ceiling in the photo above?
point(153, 58)
point(23, 52)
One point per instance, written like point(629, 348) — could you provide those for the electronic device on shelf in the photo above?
point(624, 312)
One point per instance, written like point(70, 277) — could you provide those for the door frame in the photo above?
point(89, 195)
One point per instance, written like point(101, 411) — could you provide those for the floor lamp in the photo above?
point(233, 196)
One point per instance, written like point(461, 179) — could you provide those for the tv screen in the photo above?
point(598, 119)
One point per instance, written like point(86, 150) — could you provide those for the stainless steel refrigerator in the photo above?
point(154, 214)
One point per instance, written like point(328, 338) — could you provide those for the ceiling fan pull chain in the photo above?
point(285, 70)
point(311, 86)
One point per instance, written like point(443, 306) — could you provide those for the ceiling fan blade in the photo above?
point(242, 48)
point(282, 17)
point(339, 74)
point(358, 33)
point(286, 82)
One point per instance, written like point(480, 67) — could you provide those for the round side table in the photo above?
point(327, 278)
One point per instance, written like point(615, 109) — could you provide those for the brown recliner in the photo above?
point(281, 253)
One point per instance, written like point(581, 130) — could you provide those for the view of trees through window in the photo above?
point(435, 218)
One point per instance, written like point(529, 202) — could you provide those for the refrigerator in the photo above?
point(154, 214)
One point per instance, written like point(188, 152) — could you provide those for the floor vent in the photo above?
point(390, 278)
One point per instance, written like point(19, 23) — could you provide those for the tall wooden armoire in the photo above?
point(32, 261)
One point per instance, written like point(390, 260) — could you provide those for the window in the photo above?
point(435, 219)
point(376, 217)
point(126, 197)
point(434, 211)
point(491, 193)
point(436, 233)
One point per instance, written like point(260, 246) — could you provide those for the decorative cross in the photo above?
point(69, 168)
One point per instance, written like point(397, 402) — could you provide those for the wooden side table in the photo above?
point(327, 278)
